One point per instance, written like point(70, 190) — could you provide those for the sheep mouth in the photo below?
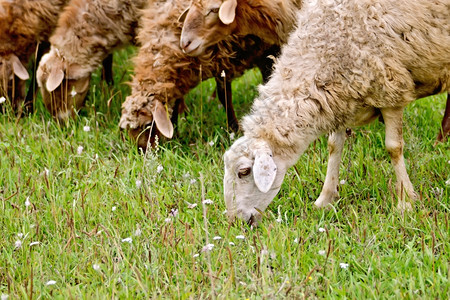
point(193, 49)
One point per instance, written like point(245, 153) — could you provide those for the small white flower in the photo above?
point(216, 238)
point(138, 183)
point(186, 175)
point(279, 220)
point(137, 232)
point(264, 252)
point(195, 255)
point(232, 136)
point(224, 212)
point(18, 244)
point(80, 150)
point(447, 182)
point(321, 229)
point(342, 181)
point(73, 93)
point(231, 243)
point(27, 202)
point(240, 237)
point(343, 265)
point(192, 205)
point(159, 169)
point(168, 220)
point(222, 74)
point(87, 128)
point(208, 201)
point(96, 267)
point(46, 171)
point(2, 100)
point(4, 296)
point(211, 143)
point(20, 235)
point(192, 181)
point(208, 247)
point(114, 208)
point(96, 156)
point(173, 212)
point(322, 252)
point(51, 282)
point(127, 240)
point(34, 243)
point(296, 240)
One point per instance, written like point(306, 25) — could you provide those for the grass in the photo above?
point(104, 221)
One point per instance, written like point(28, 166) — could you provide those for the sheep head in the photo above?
point(253, 176)
point(63, 85)
point(12, 78)
point(206, 22)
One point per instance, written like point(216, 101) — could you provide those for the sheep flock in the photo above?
point(327, 65)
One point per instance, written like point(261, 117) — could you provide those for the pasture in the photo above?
point(84, 215)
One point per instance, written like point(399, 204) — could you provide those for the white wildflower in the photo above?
point(195, 255)
point(20, 235)
point(159, 169)
point(216, 238)
point(342, 181)
point(96, 156)
point(231, 243)
point(186, 175)
point(46, 171)
point(114, 208)
point(447, 182)
point(18, 244)
point(279, 220)
point(80, 150)
point(168, 220)
point(207, 201)
point(240, 237)
point(232, 136)
point(73, 93)
point(4, 296)
point(321, 229)
point(34, 243)
point(222, 74)
point(96, 267)
point(192, 181)
point(87, 128)
point(137, 232)
point(343, 265)
point(224, 212)
point(127, 240)
point(2, 100)
point(173, 212)
point(208, 247)
point(51, 282)
point(27, 202)
point(296, 240)
point(211, 143)
point(322, 252)
point(138, 183)
point(192, 205)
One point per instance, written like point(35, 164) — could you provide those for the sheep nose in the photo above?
point(184, 43)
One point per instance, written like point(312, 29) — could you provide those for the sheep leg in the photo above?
point(224, 93)
point(393, 118)
point(445, 127)
point(107, 72)
point(335, 147)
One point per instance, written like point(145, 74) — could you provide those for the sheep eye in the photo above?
point(244, 172)
point(213, 10)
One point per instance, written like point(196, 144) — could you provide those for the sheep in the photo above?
point(25, 27)
point(207, 22)
point(164, 74)
point(87, 31)
point(347, 62)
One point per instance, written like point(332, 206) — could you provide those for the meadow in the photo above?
point(85, 215)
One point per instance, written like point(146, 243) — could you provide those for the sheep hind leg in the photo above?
point(445, 127)
point(330, 187)
point(393, 118)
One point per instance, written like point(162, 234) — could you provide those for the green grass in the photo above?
point(83, 205)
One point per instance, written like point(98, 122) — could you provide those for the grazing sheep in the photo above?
point(347, 62)
point(25, 27)
point(164, 74)
point(206, 22)
point(87, 31)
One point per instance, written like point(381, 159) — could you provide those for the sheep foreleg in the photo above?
point(335, 147)
point(393, 118)
point(445, 129)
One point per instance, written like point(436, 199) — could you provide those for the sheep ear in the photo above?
point(227, 11)
point(264, 170)
point(182, 17)
point(55, 78)
point(162, 120)
point(18, 68)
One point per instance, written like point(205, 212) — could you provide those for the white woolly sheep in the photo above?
point(164, 74)
point(87, 31)
point(207, 22)
point(347, 62)
point(24, 26)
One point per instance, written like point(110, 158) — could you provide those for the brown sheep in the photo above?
point(164, 74)
point(87, 31)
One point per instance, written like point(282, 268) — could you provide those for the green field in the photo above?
point(104, 221)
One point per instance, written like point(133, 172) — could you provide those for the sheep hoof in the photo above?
point(325, 199)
